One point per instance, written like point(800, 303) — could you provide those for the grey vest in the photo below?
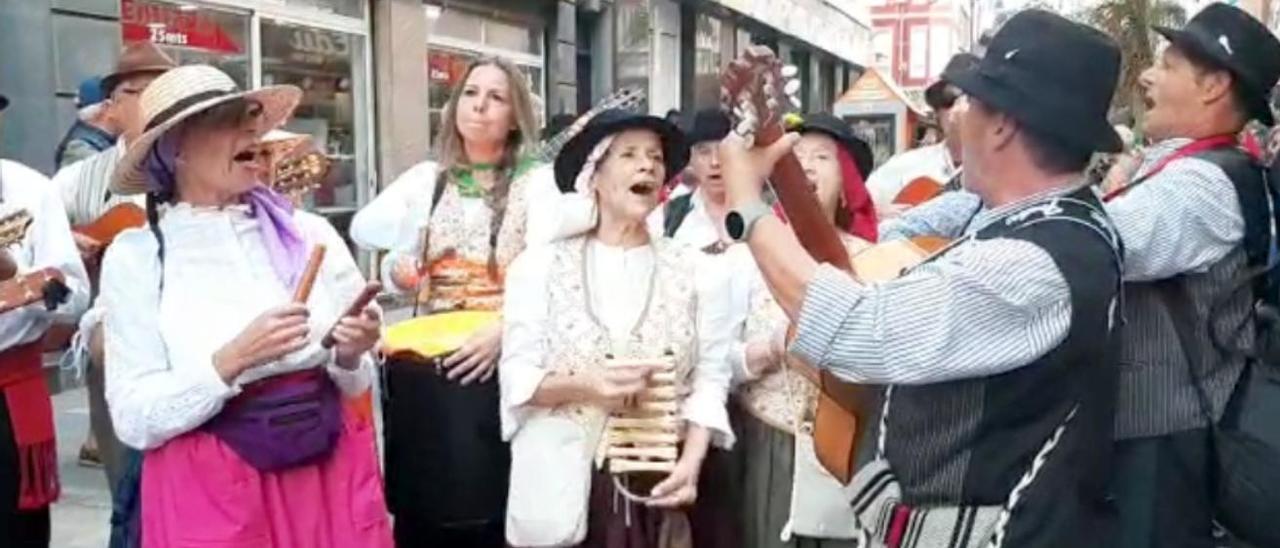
point(1157, 396)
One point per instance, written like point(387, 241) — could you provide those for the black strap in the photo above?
point(1176, 297)
point(674, 214)
point(442, 180)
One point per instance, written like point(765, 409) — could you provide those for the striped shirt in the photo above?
point(84, 186)
point(1185, 218)
point(984, 308)
point(946, 215)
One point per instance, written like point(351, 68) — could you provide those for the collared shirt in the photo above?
point(619, 278)
point(698, 230)
point(85, 186)
point(983, 308)
point(47, 243)
point(1185, 218)
point(933, 161)
point(217, 278)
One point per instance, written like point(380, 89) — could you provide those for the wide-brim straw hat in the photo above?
point(186, 91)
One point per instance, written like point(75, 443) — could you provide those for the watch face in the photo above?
point(734, 225)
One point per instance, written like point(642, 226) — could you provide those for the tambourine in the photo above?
point(642, 441)
point(429, 338)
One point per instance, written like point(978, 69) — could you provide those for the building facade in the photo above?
point(912, 40)
point(377, 73)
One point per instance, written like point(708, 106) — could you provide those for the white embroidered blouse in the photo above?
point(619, 278)
point(217, 278)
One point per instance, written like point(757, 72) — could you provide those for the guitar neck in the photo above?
point(814, 229)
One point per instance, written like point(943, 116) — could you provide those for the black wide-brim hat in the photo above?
point(959, 62)
point(839, 130)
point(1052, 75)
point(675, 153)
point(709, 124)
point(1237, 42)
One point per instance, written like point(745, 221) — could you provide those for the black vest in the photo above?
point(968, 442)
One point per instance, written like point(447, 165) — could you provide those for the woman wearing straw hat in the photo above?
point(611, 291)
point(225, 387)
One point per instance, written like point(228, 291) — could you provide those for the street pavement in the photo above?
point(81, 516)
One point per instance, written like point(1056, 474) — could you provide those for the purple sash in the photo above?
point(281, 422)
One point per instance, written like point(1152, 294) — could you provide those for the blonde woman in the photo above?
point(459, 221)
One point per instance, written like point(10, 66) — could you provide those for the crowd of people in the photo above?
point(635, 345)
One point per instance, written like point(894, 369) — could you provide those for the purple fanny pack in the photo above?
point(281, 422)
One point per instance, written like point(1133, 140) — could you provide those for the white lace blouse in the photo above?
point(217, 279)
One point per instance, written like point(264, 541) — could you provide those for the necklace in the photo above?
point(634, 333)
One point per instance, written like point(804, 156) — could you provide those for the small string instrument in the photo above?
point(45, 284)
point(759, 91)
point(629, 98)
point(117, 219)
point(918, 191)
point(295, 177)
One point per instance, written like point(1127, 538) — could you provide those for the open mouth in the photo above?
point(642, 189)
point(246, 155)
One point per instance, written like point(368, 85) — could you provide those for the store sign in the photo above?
point(171, 26)
point(318, 47)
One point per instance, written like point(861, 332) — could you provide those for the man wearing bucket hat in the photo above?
point(1194, 219)
point(28, 459)
point(996, 421)
point(696, 218)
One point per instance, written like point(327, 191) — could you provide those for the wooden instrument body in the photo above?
point(24, 289)
point(117, 219)
point(919, 191)
point(642, 442)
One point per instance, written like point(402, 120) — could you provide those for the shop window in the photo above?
point(323, 64)
point(349, 8)
point(191, 34)
point(708, 59)
point(634, 29)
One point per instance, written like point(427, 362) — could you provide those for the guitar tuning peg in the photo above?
point(772, 104)
point(789, 71)
point(795, 102)
point(791, 87)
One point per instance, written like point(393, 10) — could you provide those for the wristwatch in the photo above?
point(738, 223)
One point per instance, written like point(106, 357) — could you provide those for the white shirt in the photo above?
point(396, 215)
point(933, 161)
point(697, 230)
point(47, 243)
point(217, 279)
point(619, 278)
point(84, 184)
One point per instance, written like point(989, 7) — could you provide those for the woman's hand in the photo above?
point(681, 487)
point(615, 388)
point(272, 335)
point(477, 360)
point(356, 335)
point(765, 355)
point(406, 273)
point(1121, 172)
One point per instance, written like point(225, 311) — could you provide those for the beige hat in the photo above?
point(183, 92)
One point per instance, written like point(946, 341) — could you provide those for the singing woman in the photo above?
point(610, 291)
point(215, 373)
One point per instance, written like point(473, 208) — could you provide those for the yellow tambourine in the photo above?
point(436, 335)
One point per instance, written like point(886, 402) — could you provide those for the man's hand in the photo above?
point(744, 168)
point(8, 267)
point(90, 249)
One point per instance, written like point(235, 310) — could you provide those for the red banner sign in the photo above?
point(169, 25)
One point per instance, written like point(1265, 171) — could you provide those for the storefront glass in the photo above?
point(191, 34)
point(324, 64)
point(634, 35)
point(708, 58)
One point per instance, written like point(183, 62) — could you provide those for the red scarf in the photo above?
point(26, 395)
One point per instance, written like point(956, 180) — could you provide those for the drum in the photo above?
point(642, 442)
point(446, 463)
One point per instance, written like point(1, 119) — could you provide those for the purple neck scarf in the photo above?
point(280, 234)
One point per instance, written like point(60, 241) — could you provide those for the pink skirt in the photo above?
point(196, 492)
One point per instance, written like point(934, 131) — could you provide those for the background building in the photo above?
point(377, 73)
point(912, 40)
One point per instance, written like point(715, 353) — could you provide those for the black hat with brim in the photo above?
point(675, 153)
point(1234, 41)
point(839, 130)
point(711, 124)
point(1053, 76)
point(4, 102)
point(959, 62)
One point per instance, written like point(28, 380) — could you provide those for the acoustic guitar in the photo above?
point(294, 177)
point(110, 224)
point(758, 90)
point(45, 284)
point(629, 98)
point(918, 191)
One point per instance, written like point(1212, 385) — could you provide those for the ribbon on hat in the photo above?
point(582, 183)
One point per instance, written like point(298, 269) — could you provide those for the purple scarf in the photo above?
point(280, 234)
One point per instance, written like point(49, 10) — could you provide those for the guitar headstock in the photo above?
point(759, 93)
point(13, 226)
point(296, 176)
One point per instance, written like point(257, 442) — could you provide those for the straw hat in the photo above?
point(183, 92)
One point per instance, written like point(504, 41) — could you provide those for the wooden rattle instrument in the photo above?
point(642, 441)
point(309, 275)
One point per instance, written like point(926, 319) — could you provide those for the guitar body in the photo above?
point(119, 218)
point(919, 191)
point(23, 290)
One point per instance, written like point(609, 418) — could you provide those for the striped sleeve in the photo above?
point(985, 308)
point(1184, 219)
point(947, 215)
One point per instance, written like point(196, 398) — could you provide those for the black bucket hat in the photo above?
point(709, 124)
point(936, 95)
point(675, 152)
point(1052, 75)
point(1234, 41)
point(839, 130)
